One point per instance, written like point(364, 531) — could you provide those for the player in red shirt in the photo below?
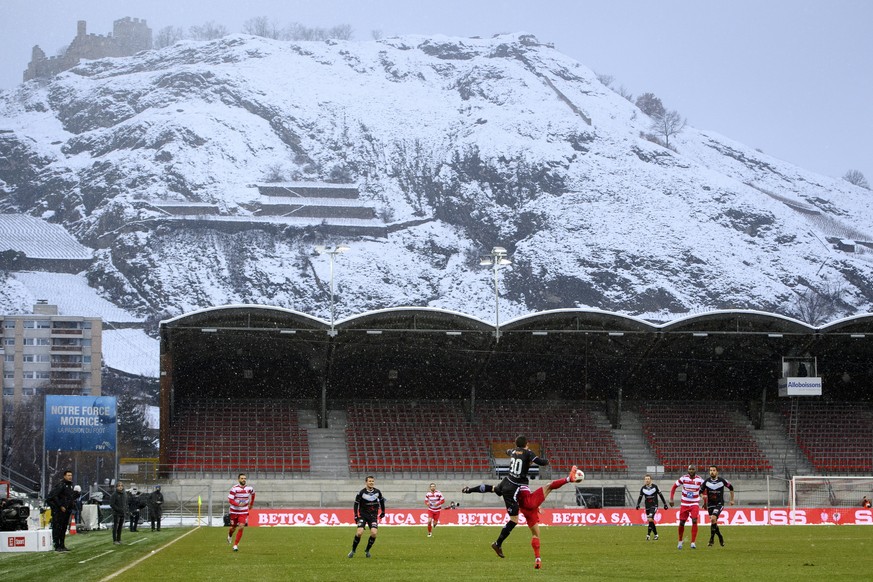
point(434, 502)
point(690, 484)
point(529, 503)
point(241, 499)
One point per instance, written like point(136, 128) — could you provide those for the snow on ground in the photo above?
point(72, 295)
point(128, 350)
point(131, 351)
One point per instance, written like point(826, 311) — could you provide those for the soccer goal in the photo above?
point(821, 491)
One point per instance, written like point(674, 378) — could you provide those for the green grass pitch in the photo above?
point(453, 553)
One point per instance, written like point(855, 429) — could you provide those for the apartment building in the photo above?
point(44, 352)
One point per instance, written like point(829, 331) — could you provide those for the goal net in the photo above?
point(821, 491)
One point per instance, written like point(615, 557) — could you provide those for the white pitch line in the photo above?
point(95, 557)
point(147, 556)
point(137, 541)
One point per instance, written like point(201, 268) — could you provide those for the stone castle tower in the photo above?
point(129, 36)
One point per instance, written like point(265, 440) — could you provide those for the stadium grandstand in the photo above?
point(422, 393)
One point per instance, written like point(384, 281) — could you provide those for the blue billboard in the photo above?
point(80, 423)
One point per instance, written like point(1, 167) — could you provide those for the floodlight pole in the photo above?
point(498, 257)
point(332, 252)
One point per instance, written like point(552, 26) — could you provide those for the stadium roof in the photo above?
point(261, 351)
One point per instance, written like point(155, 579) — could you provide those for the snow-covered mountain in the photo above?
point(458, 144)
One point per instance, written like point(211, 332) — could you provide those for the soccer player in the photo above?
point(369, 509)
point(713, 501)
point(521, 458)
point(434, 502)
point(690, 484)
point(241, 499)
point(650, 492)
point(529, 504)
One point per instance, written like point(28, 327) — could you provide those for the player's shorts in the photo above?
point(508, 490)
point(434, 515)
point(686, 511)
point(529, 502)
point(239, 519)
point(651, 511)
point(368, 521)
point(715, 509)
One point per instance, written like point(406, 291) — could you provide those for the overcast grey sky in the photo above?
point(791, 77)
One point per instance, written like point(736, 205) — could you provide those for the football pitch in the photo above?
point(453, 553)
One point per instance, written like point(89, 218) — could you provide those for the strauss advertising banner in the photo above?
point(80, 423)
point(570, 517)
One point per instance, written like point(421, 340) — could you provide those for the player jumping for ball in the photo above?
point(528, 503)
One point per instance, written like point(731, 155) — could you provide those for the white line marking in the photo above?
point(95, 557)
point(147, 556)
point(137, 541)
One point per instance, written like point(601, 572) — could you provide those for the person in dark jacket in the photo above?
point(134, 505)
point(118, 503)
point(156, 506)
point(61, 500)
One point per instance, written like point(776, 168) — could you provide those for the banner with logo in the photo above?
point(80, 423)
point(571, 517)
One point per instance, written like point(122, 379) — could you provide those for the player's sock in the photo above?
point(504, 533)
point(239, 533)
point(429, 528)
point(535, 544)
point(654, 528)
point(650, 528)
point(356, 542)
point(693, 532)
point(681, 531)
point(558, 483)
point(370, 543)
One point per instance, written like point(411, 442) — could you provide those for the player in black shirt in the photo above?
point(521, 458)
point(369, 509)
point(650, 492)
point(713, 501)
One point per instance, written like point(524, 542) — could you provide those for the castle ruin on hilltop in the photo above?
point(129, 36)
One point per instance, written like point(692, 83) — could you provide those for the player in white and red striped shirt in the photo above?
point(241, 498)
point(690, 484)
point(434, 501)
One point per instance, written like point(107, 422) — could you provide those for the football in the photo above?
point(580, 475)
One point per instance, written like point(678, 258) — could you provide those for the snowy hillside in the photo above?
point(461, 144)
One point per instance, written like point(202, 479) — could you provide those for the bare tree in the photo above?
point(340, 32)
point(263, 26)
point(857, 178)
point(208, 31)
point(607, 80)
point(818, 306)
point(651, 105)
point(625, 93)
point(376, 34)
point(167, 36)
point(671, 123)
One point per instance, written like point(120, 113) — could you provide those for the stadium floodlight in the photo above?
point(700, 334)
point(332, 252)
point(208, 329)
point(498, 258)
